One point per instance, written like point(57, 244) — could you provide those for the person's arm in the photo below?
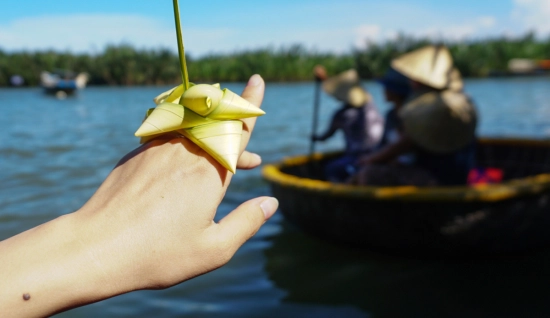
point(328, 133)
point(150, 225)
point(336, 123)
point(388, 153)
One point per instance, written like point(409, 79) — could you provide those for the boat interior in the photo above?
point(513, 158)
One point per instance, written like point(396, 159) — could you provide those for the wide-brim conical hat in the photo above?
point(440, 122)
point(346, 87)
point(430, 65)
point(456, 83)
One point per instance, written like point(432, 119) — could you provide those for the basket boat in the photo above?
point(512, 216)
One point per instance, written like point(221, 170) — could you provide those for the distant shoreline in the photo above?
point(124, 65)
point(499, 76)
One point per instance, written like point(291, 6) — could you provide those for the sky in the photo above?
point(216, 26)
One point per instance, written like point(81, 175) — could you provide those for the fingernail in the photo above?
point(269, 206)
point(257, 157)
point(255, 80)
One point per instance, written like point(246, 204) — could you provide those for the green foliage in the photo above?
point(127, 65)
point(286, 64)
point(473, 58)
point(477, 59)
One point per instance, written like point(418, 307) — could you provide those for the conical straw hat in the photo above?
point(430, 65)
point(346, 87)
point(456, 83)
point(220, 139)
point(440, 122)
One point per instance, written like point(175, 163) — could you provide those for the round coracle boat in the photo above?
point(511, 216)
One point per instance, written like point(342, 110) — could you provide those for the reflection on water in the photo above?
point(55, 153)
point(317, 272)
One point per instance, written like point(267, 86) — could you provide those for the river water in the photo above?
point(55, 153)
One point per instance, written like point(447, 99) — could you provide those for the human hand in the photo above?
point(155, 210)
point(320, 73)
point(150, 225)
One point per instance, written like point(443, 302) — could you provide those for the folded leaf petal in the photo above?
point(206, 115)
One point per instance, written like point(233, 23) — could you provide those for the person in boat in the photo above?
point(358, 119)
point(438, 120)
point(148, 226)
point(396, 91)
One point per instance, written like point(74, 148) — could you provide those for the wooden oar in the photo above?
point(314, 168)
point(315, 115)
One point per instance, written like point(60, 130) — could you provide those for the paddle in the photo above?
point(320, 74)
point(315, 119)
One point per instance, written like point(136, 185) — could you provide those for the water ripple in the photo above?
point(59, 151)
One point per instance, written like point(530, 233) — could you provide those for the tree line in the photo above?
point(127, 65)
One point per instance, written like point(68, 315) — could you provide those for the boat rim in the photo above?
point(531, 185)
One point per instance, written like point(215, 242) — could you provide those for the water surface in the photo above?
point(55, 153)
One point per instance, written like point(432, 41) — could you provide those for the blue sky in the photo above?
point(216, 26)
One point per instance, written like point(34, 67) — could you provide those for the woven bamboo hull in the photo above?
point(511, 217)
point(421, 227)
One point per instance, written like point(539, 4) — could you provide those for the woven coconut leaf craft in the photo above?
point(204, 113)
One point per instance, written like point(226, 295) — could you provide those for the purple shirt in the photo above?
point(362, 127)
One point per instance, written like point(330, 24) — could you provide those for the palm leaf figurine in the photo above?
point(205, 114)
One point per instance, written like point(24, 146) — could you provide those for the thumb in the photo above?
point(248, 160)
point(243, 222)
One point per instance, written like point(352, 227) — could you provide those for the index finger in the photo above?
point(254, 93)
